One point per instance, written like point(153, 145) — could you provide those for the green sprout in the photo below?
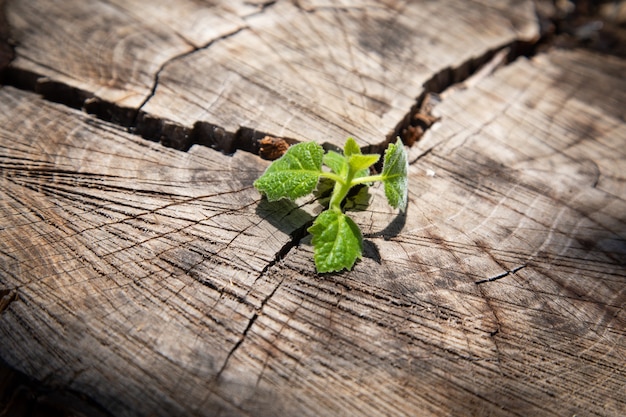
point(337, 240)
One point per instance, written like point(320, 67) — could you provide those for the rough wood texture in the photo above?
point(509, 267)
point(321, 71)
point(122, 244)
point(158, 282)
point(6, 52)
point(133, 271)
point(304, 70)
point(105, 55)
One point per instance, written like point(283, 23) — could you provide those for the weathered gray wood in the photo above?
point(105, 55)
point(320, 71)
point(158, 282)
point(132, 260)
point(197, 22)
point(306, 70)
point(148, 278)
point(502, 290)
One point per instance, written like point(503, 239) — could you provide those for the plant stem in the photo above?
point(333, 177)
point(340, 191)
point(343, 185)
point(369, 178)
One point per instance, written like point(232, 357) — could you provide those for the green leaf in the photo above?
point(336, 162)
point(293, 175)
point(395, 167)
point(361, 162)
point(351, 148)
point(337, 241)
point(362, 173)
point(358, 162)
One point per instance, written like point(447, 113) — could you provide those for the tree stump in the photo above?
point(143, 279)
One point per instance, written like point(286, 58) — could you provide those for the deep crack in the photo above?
point(296, 236)
point(420, 118)
point(171, 134)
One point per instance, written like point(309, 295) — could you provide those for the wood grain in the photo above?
point(226, 74)
point(158, 282)
point(502, 290)
point(111, 244)
point(105, 55)
point(314, 71)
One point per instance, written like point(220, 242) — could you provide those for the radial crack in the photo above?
point(296, 237)
point(500, 276)
point(244, 334)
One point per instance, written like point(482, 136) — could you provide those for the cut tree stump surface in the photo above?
point(159, 282)
point(303, 70)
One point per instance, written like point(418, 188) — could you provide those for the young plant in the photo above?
point(337, 240)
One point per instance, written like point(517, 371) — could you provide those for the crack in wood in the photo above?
point(167, 133)
point(296, 237)
point(6, 298)
point(170, 134)
point(420, 118)
point(251, 322)
point(500, 276)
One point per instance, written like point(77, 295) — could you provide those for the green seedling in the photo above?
point(337, 240)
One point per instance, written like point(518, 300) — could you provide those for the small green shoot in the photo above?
point(337, 240)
